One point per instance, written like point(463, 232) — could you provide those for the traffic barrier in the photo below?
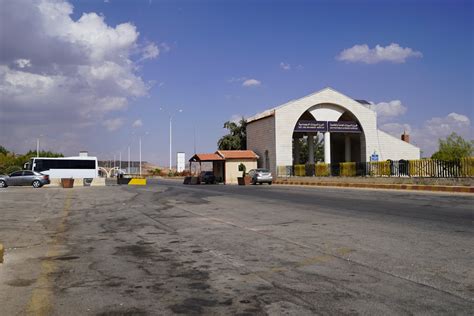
point(98, 182)
point(136, 181)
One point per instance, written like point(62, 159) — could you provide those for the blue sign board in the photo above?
point(374, 157)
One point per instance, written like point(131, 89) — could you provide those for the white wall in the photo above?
point(232, 169)
point(390, 147)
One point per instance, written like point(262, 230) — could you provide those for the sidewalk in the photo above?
point(390, 186)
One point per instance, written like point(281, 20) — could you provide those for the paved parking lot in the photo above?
point(173, 249)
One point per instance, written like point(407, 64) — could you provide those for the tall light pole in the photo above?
point(140, 149)
point(171, 133)
point(128, 160)
point(38, 145)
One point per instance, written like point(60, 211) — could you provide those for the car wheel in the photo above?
point(270, 183)
point(3, 184)
point(36, 184)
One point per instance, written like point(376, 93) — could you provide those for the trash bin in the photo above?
point(67, 182)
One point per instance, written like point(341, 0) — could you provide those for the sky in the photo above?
point(100, 75)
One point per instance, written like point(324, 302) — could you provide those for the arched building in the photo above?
point(349, 127)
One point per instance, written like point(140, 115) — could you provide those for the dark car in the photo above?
point(208, 177)
point(24, 177)
point(260, 176)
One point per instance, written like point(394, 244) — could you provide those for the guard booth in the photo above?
point(225, 163)
point(216, 161)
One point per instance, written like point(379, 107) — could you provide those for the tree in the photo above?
point(454, 147)
point(237, 137)
point(3, 150)
point(304, 153)
point(9, 161)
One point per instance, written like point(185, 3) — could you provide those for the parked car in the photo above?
point(208, 177)
point(24, 177)
point(260, 176)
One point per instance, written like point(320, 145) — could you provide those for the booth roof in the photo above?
point(225, 154)
point(206, 157)
point(237, 154)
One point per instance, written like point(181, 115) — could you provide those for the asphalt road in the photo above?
point(172, 249)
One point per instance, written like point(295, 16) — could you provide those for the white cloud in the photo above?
point(23, 63)
point(393, 53)
point(113, 124)
point(427, 135)
point(389, 109)
point(150, 51)
point(285, 66)
point(75, 71)
point(251, 83)
point(137, 123)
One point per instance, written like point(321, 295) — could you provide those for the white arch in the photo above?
point(104, 170)
point(327, 103)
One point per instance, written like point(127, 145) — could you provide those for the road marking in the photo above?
point(41, 302)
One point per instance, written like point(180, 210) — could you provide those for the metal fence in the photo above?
point(427, 168)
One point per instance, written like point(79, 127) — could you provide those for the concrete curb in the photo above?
point(414, 187)
point(2, 251)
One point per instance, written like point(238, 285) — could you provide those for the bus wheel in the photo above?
point(36, 184)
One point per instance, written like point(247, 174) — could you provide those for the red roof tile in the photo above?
point(206, 157)
point(237, 154)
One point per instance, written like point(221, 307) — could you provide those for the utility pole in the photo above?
point(170, 142)
point(140, 149)
point(128, 160)
point(37, 146)
point(120, 160)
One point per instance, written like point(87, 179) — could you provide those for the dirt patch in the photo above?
point(139, 251)
point(192, 306)
point(124, 312)
point(21, 282)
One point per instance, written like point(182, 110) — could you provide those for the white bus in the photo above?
point(65, 167)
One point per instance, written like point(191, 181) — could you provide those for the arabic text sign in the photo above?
point(311, 126)
point(324, 126)
point(344, 127)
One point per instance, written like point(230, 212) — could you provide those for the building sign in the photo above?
point(374, 157)
point(180, 162)
point(311, 126)
point(324, 126)
point(343, 127)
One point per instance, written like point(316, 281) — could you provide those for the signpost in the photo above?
point(180, 162)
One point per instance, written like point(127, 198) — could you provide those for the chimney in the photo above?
point(405, 137)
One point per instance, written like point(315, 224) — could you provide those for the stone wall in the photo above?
point(260, 138)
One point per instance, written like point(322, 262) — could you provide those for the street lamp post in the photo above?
point(171, 133)
point(140, 149)
point(38, 145)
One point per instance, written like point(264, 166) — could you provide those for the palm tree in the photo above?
point(237, 137)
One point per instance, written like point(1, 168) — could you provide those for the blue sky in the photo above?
point(208, 49)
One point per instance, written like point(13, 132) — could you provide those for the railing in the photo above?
point(429, 168)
